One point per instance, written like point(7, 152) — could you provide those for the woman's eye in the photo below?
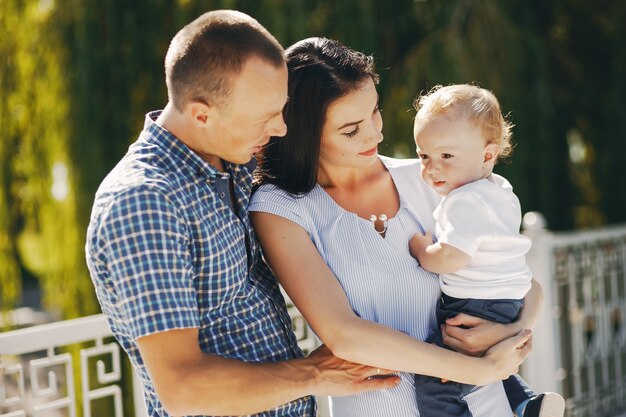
point(377, 109)
point(352, 133)
point(446, 156)
point(422, 156)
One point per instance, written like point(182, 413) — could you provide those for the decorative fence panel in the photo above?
point(580, 341)
point(37, 377)
point(38, 371)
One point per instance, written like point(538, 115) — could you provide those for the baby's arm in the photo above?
point(437, 257)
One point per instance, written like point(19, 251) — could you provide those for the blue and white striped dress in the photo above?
point(382, 281)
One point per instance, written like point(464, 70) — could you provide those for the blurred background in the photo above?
point(77, 77)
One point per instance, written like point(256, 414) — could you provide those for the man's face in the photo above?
point(252, 113)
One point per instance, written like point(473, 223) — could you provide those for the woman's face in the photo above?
point(353, 129)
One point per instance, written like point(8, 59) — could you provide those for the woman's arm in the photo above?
point(317, 294)
point(474, 336)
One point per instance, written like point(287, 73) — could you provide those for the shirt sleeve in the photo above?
point(145, 242)
point(463, 222)
point(273, 200)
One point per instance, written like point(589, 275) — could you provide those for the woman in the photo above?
point(353, 279)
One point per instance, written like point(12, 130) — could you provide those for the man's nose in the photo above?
point(278, 128)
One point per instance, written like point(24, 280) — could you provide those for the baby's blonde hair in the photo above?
point(475, 104)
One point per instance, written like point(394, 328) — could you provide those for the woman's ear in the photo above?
point(490, 154)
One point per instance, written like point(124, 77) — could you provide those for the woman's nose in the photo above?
point(377, 127)
point(376, 134)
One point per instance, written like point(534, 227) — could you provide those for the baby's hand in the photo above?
point(419, 242)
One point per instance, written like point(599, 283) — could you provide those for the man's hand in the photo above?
point(338, 377)
point(472, 335)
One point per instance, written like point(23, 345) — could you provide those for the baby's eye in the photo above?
point(446, 155)
point(352, 133)
point(422, 156)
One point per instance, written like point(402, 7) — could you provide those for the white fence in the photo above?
point(38, 378)
point(579, 343)
point(37, 373)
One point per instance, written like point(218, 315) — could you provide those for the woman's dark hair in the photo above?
point(320, 71)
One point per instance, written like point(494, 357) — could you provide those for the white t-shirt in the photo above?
point(483, 219)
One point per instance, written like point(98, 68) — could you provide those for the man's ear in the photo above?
point(199, 112)
point(490, 154)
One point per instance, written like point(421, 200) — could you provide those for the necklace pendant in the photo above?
point(379, 223)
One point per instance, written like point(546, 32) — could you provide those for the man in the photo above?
point(170, 247)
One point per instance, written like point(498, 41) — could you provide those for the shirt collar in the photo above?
point(185, 157)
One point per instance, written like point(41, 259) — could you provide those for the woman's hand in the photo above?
point(473, 335)
point(507, 356)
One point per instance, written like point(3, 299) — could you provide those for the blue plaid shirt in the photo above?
point(166, 250)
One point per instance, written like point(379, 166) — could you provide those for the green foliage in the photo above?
point(77, 78)
point(43, 235)
point(10, 276)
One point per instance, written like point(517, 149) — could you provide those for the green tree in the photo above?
point(77, 78)
point(38, 193)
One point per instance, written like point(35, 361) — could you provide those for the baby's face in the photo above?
point(452, 151)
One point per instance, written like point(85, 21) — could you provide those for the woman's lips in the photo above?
point(370, 152)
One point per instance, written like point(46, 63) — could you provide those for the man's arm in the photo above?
point(191, 382)
point(437, 257)
point(146, 246)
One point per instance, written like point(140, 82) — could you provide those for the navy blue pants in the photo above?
point(438, 399)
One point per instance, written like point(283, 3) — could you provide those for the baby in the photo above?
point(480, 254)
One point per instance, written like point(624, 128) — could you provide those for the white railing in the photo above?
point(580, 341)
point(36, 379)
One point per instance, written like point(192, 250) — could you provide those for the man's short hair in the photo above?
point(205, 55)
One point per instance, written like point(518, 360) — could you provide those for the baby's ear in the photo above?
point(491, 154)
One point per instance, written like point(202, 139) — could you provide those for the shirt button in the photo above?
point(222, 195)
